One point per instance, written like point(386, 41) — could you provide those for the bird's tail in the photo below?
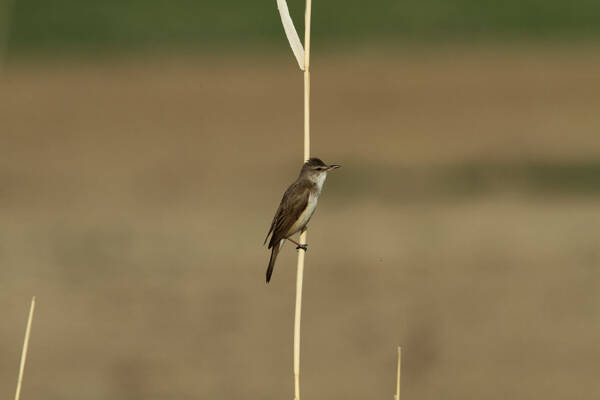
point(274, 253)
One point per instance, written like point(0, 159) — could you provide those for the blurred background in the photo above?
point(145, 145)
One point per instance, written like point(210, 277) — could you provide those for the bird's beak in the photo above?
point(333, 166)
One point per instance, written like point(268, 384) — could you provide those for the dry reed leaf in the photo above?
point(290, 32)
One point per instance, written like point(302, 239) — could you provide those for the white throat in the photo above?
point(319, 180)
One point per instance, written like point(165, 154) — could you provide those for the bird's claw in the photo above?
point(302, 246)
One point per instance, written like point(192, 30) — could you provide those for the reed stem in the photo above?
point(24, 351)
point(303, 235)
point(397, 395)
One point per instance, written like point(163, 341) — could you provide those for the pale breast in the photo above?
point(306, 214)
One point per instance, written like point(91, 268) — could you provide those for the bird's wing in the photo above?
point(272, 225)
point(293, 203)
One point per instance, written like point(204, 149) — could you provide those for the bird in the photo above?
point(297, 206)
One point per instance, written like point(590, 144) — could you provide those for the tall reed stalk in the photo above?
point(397, 395)
point(301, 253)
point(24, 351)
point(303, 58)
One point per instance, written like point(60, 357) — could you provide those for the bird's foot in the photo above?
point(302, 246)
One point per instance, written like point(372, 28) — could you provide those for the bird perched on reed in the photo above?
point(297, 207)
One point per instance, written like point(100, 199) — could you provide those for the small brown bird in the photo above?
point(297, 206)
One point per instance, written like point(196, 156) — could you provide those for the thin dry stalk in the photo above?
point(303, 236)
point(24, 351)
point(397, 395)
point(304, 64)
point(299, 279)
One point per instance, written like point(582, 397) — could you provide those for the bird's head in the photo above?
point(315, 169)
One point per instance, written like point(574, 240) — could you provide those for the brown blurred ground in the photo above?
point(134, 198)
